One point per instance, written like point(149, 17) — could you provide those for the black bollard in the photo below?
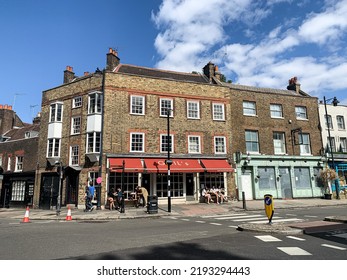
point(122, 209)
point(244, 200)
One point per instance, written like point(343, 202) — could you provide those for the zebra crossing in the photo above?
point(249, 218)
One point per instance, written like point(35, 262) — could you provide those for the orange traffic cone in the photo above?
point(68, 216)
point(26, 216)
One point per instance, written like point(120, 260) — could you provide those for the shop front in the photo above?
point(187, 176)
point(284, 177)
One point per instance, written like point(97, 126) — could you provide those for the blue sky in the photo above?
point(259, 43)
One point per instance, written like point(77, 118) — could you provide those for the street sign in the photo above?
point(269, 206)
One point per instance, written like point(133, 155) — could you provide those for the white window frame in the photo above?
point(194, 147)
point(55, 151)
point(19, 164)
point(340, 122)
point(329, 122)
point(343, 144)
point(77, 102)
point(95, 106)
point(333, 146)
point(92, 145)
point(276, 111)
point(218, 111)
point(301, 112)
point(75, 126)
point(137, 105)
point(252, 140)
point(193, 113)
point(163, 145)
point(9, 163)
point(165, 104)
point(220, 146)
point(74, 155)
point(18, 191)
point(249, 108)
point(140, 144)
point(305, 147)
point(56, 112)
point(279, 143)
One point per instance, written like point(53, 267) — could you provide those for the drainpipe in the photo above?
point(101, 140)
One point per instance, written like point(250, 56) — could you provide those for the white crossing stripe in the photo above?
point(233, 226)
point(251, 219)
point(294, 251)
point(334, 247)
point(238, 217)
point(278, 220)
point(187, 220)
point(215, 224)
point(267, 238)
point(296, 238)
point(201, 222)
point(226, 215)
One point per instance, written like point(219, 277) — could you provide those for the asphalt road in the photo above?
point(206, 237)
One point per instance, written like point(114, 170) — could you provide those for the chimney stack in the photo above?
point(209, 70)
point(69, 75)
point(294, 85)
point(112, 60)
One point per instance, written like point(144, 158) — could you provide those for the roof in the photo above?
point(163, 74)
point(18, 133)
point(265, 90)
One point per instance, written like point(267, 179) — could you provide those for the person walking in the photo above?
point(90, 191)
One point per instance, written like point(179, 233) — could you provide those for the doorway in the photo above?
point(190, 187)
point(286, 186)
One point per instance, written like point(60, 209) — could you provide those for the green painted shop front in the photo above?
point(284, 177)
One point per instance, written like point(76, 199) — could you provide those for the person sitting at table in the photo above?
point(206, 195)
point(214, 191)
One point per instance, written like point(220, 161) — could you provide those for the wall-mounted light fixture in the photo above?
point(248, 159)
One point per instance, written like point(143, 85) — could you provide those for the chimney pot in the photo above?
point(86, 73)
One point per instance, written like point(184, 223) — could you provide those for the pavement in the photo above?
point(189, 209)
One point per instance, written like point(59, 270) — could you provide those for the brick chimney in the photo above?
point(294, 85)
point(69, 75)
point(209, 70)
point(112, 60)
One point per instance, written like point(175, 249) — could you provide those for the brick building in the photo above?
point(111, 127)
point(276, 140)
point(18, 158)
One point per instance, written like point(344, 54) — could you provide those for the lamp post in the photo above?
point(58, 208)
point(168, 161)
point(334, 102)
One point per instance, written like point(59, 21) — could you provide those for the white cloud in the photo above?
point(326, 26)
point(189, 34)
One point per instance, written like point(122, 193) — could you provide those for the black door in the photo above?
point(49, 191)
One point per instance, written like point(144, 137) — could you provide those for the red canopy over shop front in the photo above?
point(130, 165)
point(156, 165)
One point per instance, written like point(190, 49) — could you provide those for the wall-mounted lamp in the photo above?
point(248, 159)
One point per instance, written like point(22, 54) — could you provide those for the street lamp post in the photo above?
point(58, 208)
point(168, 161)
point(335, 102)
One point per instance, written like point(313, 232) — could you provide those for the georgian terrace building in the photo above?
point(112, 126)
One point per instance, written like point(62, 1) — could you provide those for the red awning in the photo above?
point(216, 165)
point(130, 165)
point(177, 166)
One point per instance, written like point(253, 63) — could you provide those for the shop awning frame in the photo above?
point(157, 165)
point(216, 165)
point(130, 165)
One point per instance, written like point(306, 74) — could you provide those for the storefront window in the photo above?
point(302, 178)
point(266, 178)
point(210, 180)
point(18, 191)
point(176, 184)
point(131, 181)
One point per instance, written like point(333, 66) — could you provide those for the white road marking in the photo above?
point(296, 238)
point(279, 220)
point(233, 226)
point(226, 215)
point(251, 219)
point(267, 238)
point(215, 224)
point(187, 220)
point(294, 251)
point(309, 216)
point(334, 247)
point(201, 222)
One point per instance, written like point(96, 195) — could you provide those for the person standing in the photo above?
point(90, 191)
